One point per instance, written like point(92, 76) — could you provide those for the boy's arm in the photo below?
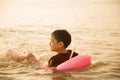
point(19, 58)
point(30, 57)
point(47, 68)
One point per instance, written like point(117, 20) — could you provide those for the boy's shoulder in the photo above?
point(74, 53)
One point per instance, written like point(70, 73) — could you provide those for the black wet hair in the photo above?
point(62, 35)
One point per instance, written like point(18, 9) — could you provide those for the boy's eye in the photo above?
point(52, 40)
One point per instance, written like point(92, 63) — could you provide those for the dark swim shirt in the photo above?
point(60, 58)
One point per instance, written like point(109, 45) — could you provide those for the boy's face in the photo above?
point(54, 44)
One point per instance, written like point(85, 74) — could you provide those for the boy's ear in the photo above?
point(61, 44)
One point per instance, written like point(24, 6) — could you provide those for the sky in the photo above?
point(54, 11)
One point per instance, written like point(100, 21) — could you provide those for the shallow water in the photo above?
point(94, 26)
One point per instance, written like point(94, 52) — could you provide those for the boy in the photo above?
point(60, 40)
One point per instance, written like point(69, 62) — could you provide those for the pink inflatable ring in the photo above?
point(74, 63)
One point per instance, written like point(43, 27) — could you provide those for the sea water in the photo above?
point(27, 26)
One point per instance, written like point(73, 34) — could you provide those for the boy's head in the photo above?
point(62, 36)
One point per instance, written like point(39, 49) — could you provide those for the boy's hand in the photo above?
point(31, 58)
point(45, 67)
